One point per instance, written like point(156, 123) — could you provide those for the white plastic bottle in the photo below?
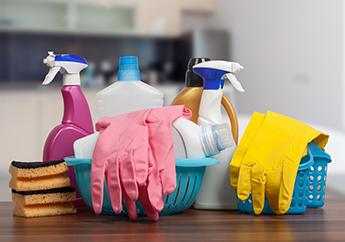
point(194, 141)
point(128, 93)
point(215, 192)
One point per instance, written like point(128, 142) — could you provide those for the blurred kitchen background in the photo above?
point(293, 53)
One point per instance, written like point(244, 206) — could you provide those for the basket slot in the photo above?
point(317, 183)
point(194, 191)
point(188, 182)
point(186, 191)
point(178, 190)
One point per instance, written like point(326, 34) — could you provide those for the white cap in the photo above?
point(215, 138)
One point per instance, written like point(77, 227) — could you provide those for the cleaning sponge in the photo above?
point(41, 189)
point(20, 169)
point(56, 195)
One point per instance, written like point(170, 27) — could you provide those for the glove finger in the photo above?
point(97, 184)
point(273, 180)
point(244, 182)
point(155, 191)
point(103, 124)
point(131, 207)
point(128, 177)
point(140, 158)
point(286, 189)
point(154, 186)
point(151, 213)
point(258, 181)
point(168, 178)
point(248, 136)
point(167, 172)
point(114, 185)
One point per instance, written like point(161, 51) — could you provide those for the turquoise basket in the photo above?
point(189, 175)
point(310, 184)
point(317, 176)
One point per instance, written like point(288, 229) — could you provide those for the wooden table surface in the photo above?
point(327, 224)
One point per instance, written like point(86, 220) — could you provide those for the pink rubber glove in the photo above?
point(121, 154)
point(162, 173)
point(162, 168)
point(124, 155)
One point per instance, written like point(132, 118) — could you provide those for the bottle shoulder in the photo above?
point(188, 94)
point(130, 88)
point(63, 128)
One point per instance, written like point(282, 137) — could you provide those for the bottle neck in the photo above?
point(71, 79)
point(128, 80)
point(214, 85)
point(210, 107)
point(76, 108)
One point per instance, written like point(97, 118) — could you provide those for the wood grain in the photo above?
point(327, 224)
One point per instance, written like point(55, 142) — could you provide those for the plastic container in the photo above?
point(317, 176)
point(305, 177)
point(216, 192)
point(128, 93)
point(194, 141)
point(190, 95)
point(189, 176)
point(76, 121)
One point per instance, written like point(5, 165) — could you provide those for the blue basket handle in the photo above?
point(310, 162)
point(319, 153)
point(71, 161)
point(196, 162)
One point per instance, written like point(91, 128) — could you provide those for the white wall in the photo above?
point(292, 52)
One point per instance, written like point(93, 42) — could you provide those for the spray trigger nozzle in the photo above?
point(50, 59)
point(51, 74)
point(215, 72)
point(233, 80)
point(236, 67)
point(50, 62)
point(69, 65)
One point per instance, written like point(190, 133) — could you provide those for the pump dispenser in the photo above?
point(76, 122)
point(215, 192)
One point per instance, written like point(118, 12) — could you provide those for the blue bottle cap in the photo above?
point(128, 69)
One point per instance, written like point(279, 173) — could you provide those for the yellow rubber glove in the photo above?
point(273, 146)
point(241, 150)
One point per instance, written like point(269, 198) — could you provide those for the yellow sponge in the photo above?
point(41, 183)
point(55, 195)
point(20, 169)
point(44, 210)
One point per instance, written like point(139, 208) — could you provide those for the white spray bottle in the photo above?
point(215, 192)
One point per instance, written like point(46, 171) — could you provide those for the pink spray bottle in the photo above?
point(76, 122)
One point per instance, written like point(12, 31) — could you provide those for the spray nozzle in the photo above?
point(215, 72)
point(49, 60)
point(68, 64)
